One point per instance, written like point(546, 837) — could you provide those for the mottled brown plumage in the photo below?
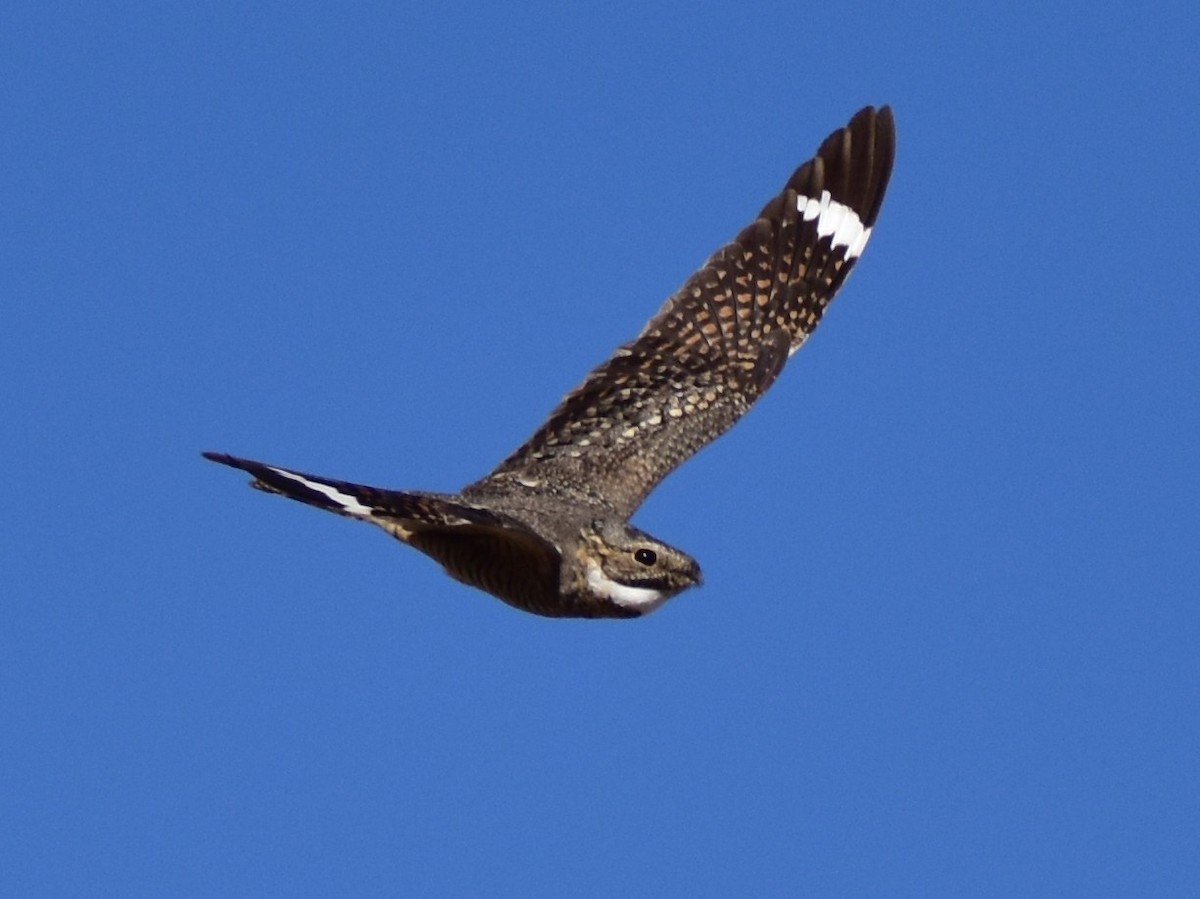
point(547, 531)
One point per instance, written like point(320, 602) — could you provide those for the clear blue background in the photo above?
point(947, 641)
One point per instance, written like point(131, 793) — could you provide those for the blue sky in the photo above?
point(947, 639)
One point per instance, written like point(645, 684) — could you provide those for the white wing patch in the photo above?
point(347, 502)
point(644, 599)
point(837, 219)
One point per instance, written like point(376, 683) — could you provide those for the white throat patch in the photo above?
point(644, 599)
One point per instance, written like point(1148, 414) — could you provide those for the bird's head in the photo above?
point(632, 569)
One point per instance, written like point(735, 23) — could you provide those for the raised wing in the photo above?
point(716, 345)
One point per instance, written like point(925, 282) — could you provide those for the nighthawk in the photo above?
point(548, 530)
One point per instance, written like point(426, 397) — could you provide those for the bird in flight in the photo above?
point(548, 530)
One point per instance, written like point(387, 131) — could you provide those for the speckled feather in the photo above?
point(716, 345)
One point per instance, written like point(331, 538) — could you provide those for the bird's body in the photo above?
point(548, 530)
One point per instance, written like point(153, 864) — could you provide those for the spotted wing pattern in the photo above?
point(480, 547)
point(716, 345)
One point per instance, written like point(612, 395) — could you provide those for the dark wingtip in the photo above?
point(854, 164)
point(233, 462)
point(222, 458)
point(883, 138)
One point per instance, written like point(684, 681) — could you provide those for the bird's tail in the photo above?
point(342, 497)
point(398, 512)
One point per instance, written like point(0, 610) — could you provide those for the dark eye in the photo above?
point(646, 556)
